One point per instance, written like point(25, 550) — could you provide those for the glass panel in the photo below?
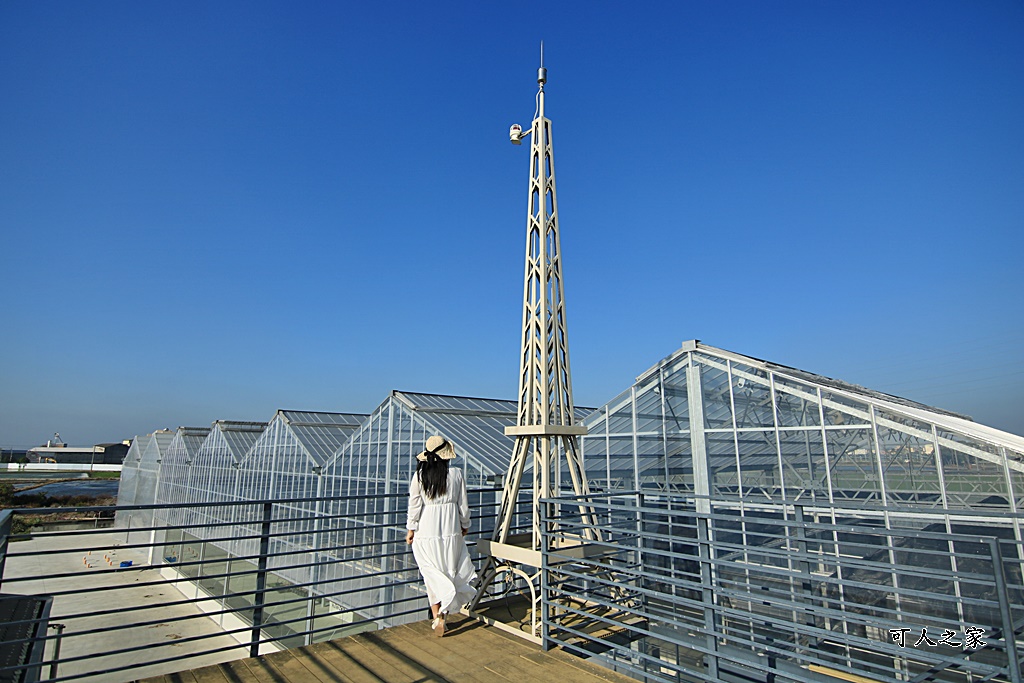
point(908, 461)
point(973, 472)
point(752, 396)
point(680, 464)
point(191, 553)
point(621, 420)
point(804, 467)
point(715, 387)
point(597, 425)
point(796, 403)
point(172, 546)
point(651, 462)
point(759, 463)
point(841, 411)
point(215, 566)
point(620, 462)
point(854, 470)
point(1017, 477)
point(649, 416)
point(677, 407)
point(241, 587)
point(721, 448)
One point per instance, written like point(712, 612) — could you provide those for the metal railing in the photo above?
point(783, 592)
point(741, 591)
point(240, 579)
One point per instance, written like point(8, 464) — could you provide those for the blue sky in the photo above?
point(215, 210)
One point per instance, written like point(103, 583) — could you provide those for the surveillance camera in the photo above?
point(515, 134)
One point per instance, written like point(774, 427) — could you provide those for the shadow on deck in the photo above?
point(469, 652)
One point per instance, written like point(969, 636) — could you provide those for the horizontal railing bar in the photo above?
point(651, 498)
point(979, 667)
point(238, 503)
point(270, 622)
point(246, 628)
point(184, 527)
point(222, 598)
point(747, 616)
point(262, 640)
point(749, 568)
point(848, 564)
point(198, 563)
point(790, 524)
point(848, 561)
point(805, 609)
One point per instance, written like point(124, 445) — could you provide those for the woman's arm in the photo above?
point(463, 505)
point(412, 520)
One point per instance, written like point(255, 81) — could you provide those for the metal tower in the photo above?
point(545, 431)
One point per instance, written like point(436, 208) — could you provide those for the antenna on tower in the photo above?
point(515, 131)
point(542, 73)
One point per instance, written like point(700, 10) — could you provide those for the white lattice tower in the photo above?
point(546, 436)
point(545, 431)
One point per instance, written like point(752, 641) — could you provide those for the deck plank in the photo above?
point(449, 660)
point(237, 672)
point(345, 655)
point(334, 656)
point(289, 668)
point(262, 671)
point(209, 674)
point(513, 658)
point(469, 653)
point(313, 658)
point(399, 665)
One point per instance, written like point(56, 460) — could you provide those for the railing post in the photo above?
point(261, 580)
point(806, 585)
point(545, 568)
point(6, 523)
point(708, 591)
point(1009, 637)
point(56, 648)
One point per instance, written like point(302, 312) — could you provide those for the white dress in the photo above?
point(438, 545)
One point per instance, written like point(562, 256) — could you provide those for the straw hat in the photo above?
point(440, 447)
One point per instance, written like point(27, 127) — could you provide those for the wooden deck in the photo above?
point(469, 652)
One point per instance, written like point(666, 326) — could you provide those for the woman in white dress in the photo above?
point(437, 521)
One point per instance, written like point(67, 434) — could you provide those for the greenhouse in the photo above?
point(771, 509)
point(128, 485)
point(212, 477)
point(795, 517)
point(783, 435)
point(140, 474)
point(175, 469)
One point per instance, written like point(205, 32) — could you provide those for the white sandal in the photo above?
point(438, 625)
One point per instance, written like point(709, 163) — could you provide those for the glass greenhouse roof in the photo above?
point(475, 425)
point(320, 434)
point(159, 442)
point(773, 431)
point(239, 437)
point(136, 450)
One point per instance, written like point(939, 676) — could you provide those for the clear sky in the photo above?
point(215, 210)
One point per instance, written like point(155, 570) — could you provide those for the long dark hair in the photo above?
point(433, 474)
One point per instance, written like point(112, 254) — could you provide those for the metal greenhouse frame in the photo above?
point(775, 433)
